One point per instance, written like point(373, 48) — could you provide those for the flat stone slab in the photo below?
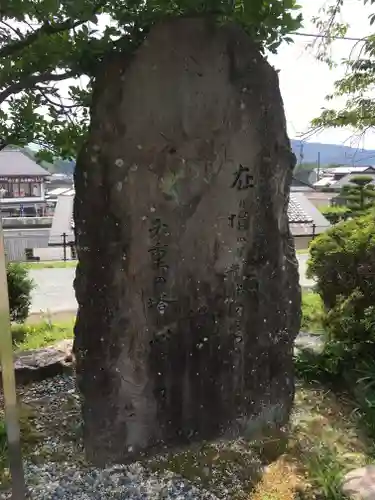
point(359, 484)
point(40, 364)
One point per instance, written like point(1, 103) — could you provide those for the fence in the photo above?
point(17, 241)
point(63, 250)
point(305, 232)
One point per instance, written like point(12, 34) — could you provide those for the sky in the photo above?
point(304, 81)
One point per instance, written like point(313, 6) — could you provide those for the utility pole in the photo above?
point(9, 383)
point(318, 173)
point(301, 153)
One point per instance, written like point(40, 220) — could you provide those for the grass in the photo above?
point(36, 336)
point(58, 264)
point(325, 442)
point(312, 313)
point(30, 436)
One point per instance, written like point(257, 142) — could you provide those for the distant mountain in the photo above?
point(64, 166)
point(331, 154)
point(57, 167)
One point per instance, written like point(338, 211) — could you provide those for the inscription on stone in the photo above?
point(242, 179)
point(159, 233)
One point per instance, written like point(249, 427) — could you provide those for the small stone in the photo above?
point(359, 484)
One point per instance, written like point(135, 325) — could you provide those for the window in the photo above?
point(26, 189)
point(20, 188)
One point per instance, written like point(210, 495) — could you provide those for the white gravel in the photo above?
point(56, 482)
point(55, 467)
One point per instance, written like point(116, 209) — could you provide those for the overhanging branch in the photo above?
point(46, 29)
point(29, 81)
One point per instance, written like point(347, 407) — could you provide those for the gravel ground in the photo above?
point(55, 466)
point(117, 483)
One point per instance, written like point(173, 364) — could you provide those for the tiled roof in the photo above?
point(296, 213)
point(15, 163)
point(304, 217)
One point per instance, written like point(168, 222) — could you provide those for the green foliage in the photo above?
point(343, 263)
point(19, 288)
point(359, 195)
point(312, 312)
point(28, 337)
point(45, 42)
point(352, 321)
point(343, 260)
point(357, 84)
point(325, 471)
point(336, 214)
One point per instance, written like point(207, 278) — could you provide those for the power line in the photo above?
point(319, 35)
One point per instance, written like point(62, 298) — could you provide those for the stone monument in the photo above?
point(187, 282)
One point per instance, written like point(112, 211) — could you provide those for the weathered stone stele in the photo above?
point(186, 324)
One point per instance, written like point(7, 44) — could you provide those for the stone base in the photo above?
point(40, 364)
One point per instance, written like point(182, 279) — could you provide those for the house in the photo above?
point(337, 186)
point(324, 182)
point(22, 185)
point(305, 220)
point(300, 186)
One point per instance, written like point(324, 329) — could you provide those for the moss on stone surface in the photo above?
point(232, 467)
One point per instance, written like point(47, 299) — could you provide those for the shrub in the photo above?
point(336, 214)
point(343, 261)
point(20, 287)
point(352, 321)
point(312, 312)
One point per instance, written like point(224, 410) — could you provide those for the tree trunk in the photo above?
point(187, 281)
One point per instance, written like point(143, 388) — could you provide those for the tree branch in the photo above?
point(11, 28)
point(29, 81)
point(44, 91)
point(46, 29)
